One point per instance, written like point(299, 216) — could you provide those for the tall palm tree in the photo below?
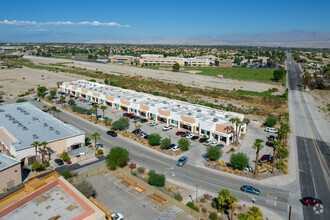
point(96, 136)
point(233, 121)
point(135, 123)
point(103, 108)
point(91, 111)
point(35, 145)
point(58, 113)
point(95, 107)
point(282, 152)
point(43, 152)
point(276, 145)
point(62, 98)
point(139, 126)
point(255, 213)
point(226, 201)
point(258, 146)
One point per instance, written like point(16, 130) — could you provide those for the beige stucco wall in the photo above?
point(58, 146)
point(9, 174)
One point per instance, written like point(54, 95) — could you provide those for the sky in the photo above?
point(147, 20)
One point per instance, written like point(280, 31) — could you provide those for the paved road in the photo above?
point(313, 152)
point(272, 198)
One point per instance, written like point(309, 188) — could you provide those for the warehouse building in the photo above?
point(121, 59)
point(10, 172)
point(22, 124)
point(194, 118)
point(168, 61)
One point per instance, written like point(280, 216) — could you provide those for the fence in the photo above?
point(81, 176)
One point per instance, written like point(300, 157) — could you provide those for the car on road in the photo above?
point(58, 161)
point(167, 127)
point(179, 133)
point(311, 201)
point(207, 143)
point(195, 137)
point(250, 189)
point(152, 124)
point(176, 148)
point(271, 130)
point(267, 157)
point(203, 139)
point(182, 161)
point(112, 133)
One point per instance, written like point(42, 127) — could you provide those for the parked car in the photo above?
point(195, 137)
point(143, 134)
point(271, 130)
point(182, 161)
point(203, 139)
point(267, 157)
point(220, 145)
point(269, 144)
point(250, 189)
point(84, 101)
point(271, 138)
point(188, 136)
point(311, 201)
point(99, 146)
point(146, 137)
point(248, 168)
point(213, 143)
point(130, 115)
point(153, 124)
point(125, 114)
point(171, 146)
point(167, 127)
point(185, 134)
point(117, 216)
point(143, 120)
point(176, 148)
point(59, 161)
point(112, 133)
point(207, 143)
point(179, 133)
point(137, 131)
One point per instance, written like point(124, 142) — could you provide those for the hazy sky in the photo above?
point(83, 20)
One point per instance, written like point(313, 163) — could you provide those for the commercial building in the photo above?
point(10, 172)
point(198, 62)
point(147, 56)
point(49, 197)
point(168, 61)
point(119, 59)
point(197, 119)
point(22, 124)
point(224, 63)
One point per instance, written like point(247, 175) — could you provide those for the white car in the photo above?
point(167, 127)
point(117, 216)
point(153, 124)
point(213, 143)
point(176, 148)
point(189, 136)
point(271, 130)
point(207, 143)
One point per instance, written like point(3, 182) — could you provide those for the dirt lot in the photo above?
point(167, 76)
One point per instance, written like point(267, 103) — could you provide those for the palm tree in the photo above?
point(96, 136)
point(43, 152)
point(95, 106)
point(62, 98)
point(226, 201)
point(58, 84)
point(103, 108)
point(233, 121)
point(91, 111)
point(282, 152)
point(276, 145)
point(45, 108)
point(258, 146)
point(35, 145)
point(255, 213)
point(139, 126)
point(135, 123)
point(58, 113)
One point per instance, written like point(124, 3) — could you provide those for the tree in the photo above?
point(270, 121)
point(21, 100)
point(41, 89)
point(283, 132)
point(90, 112)
point(213, 216)
point(154, 139)
point(117, 125)
point(95, 106)
point(156, 179)
point(184, 144)
point(71, 102)
point(107, 121)
point(58, 84)
point(282, 152)
point(43, 152)
point(45, 108)
point(64, 156)
point(90, 56)
point(117, 157)
point(176, 67)
point(96, 136)
point(192, 206)
point(239, 160)
point(276, 145)
point(226, 201)
point(38, 166)
point(103, 108)
point(279, 74)
point(124, 121)
point(258, 146)
point(52, 93)
point(254, 213)
point(213, 152)
point(58, 113)
point(62, 98)
point(66, 174)
point(166, 143)
point(238, 123)
point(85, 188)
point(36, 144)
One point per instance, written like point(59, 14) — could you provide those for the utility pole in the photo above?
point(196, 192)
point(290, 213)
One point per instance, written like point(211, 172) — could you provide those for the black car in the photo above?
point(59, 161)
point(125, 114)
point(202, 140)
point(146, 137)
point(143, 120)
point(171, 146)
point(271, 138)
point(194, 138)
point(136, 131)
point(269, 144)
point(112, 133)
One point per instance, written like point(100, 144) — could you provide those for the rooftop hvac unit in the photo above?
point(45, 125)
point(7, 115)
point(20, 125)
point(34, 118)
point(215, 119)
point(35, 136)
point(199, 110)
point(25, 128)
point(2, 110)
point(57, 132)
point(51, 128)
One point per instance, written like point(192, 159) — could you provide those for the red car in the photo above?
point(130, 115)
point(311, 201)
point(267, 158)
point(179, 133)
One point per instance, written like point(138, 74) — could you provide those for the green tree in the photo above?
point(96, 137)
point(226, 201)
point(71, 102)
point(58, 111)
point(95, 106)
point(58, 84)
point(38, 166)
point(103, 108)
point(41, 89)
point(90, 56)
point(108, 121)
point(166, 143)
point(52, 93)
point(21, 100)
point(66, 174)
point(85, 188)
point(87, 140)
point(254, 213)
point(36, 144)
point(124, 121)
point(184, 144)
point(62, 98)
point(258, 146)
point(156, 179)
point(64, 156)
point(213, 152)
point(90, 112)
point(176, 67)
point(239, 160)
point(117, 125)
point(213, 216)
point(192, 206)
point(43, 151)
point(117, 157)
point(278, 74)
point(154, 139)
point(270, 121)
point(276, 145)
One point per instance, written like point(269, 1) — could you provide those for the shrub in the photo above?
point(134, 173)
point(66, 174)
point(85, 188)
point(117, 157)
point(156, 179)
point(214, 153)
point(192, 206)
point(207, 196)
point(213, 216)
point(239, 160)
point(166, 143)
point(202, 200)
point(170, 188)
point(118, 125)
point(65, 156)
point(214, 205)
point(151, 172)
point(232, 149)
point(184, 144)
point(270, 121)
point(204, 210)
point(99, 151)
point(21, 100)
point(46, 163)
point(141, 170)
point(178, 196)
point(38, 166)
point(154, 139)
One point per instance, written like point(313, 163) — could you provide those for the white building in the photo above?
point(197, 119)
point(168, 61)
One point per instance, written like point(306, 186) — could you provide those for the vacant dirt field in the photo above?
point(167, 76)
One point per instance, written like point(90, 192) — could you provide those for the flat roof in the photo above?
point(28, 124)
point(52, 203)
point(6, 161)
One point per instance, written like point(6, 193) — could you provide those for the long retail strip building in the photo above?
point(194, 118)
